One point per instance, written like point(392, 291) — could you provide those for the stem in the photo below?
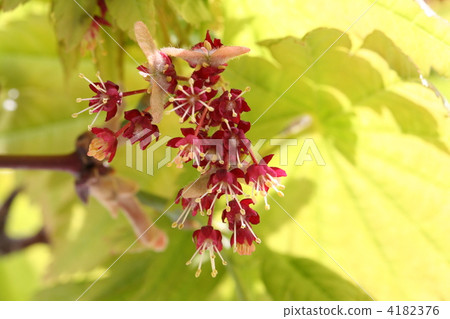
point(8, 245)
point(200, 124)
point(210, 219)
point(134, 92)
point(252, 155)
point(182, 78)
point(70, 163)
point(122, 129)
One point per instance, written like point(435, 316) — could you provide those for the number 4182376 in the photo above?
point(413, 310)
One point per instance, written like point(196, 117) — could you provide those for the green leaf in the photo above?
point(378, 42)
point(149, 272)
point(136, 10)
point(71, 22)
point(7, 5)
point(193, 11)
point(404, 21)
point(41, 123)
point(380, 203)
point(289, 278)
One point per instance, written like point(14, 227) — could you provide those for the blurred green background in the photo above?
point(380, 206)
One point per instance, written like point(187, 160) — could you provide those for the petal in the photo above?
point(146, 42)
point(280, 172)
point(110, 114)
point(157, 101)
point(225, 53)
point(266, 159)
point(197, 188)
point(132, 114)
point(192, 57)
point(174, 142)
point(187, 131)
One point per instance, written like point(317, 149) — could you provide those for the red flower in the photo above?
point(262, 177)
point(235, 143)
point(224, 182)
point(104, 145)
point(190, 99)
point(192, 206)
point(240, 214)
point(240, 217)
point(141, 128)
point(107, 98)
point(208, 43)
point(207, 76)
point(168, 70)
point(207, 238)
point(191, 147)
point(229, 106)
point(242, 241)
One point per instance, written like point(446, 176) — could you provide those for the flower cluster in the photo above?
point(214, 141)
point(218, 148)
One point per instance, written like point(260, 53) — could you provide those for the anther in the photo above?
point(207, 45)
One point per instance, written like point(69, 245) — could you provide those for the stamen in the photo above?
point(95, 107)
point(220, 255)
point(101, 81)
point(247, 89)
point(210, 108)
point(199, 270)
point(213, 263)
point(193, 256)
point(235, 241)
point(184, 115)
point(207, 45)
point(95, 119)
point(81, 75)
point(267, 206)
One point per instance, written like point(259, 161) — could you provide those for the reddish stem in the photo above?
point(210, 219)
point(122, 129)
point(202, 120)
point(182, 78)
point(134, 92)
point(252, 155)
point(70, 163)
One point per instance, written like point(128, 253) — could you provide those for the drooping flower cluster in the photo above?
point(91, 36)
point(214, 141)
point(218, 147)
